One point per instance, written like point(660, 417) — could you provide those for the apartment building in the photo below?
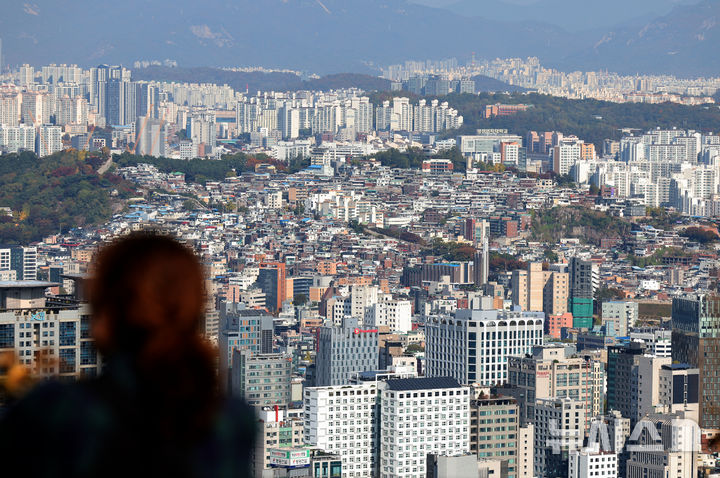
point(474, 345)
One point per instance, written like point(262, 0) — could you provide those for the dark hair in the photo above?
point(148, 300)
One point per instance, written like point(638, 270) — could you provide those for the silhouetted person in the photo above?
point(155, 410)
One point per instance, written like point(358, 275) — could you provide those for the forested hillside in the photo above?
point(55, 193)
point(591, 120)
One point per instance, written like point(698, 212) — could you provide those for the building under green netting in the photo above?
point(582, 311)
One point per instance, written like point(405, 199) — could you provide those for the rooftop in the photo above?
point(17, 284)
point(422, 383)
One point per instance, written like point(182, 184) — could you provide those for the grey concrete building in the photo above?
point(263, 380)
point(344, 350)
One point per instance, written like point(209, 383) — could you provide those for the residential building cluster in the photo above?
point(529, 73)
point(59, 106)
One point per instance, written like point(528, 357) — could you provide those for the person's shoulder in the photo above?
point(42, 399)
point(37, 416)
point(237, 419)
point(51, 405)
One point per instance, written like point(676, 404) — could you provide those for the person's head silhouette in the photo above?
point(147, 297)
point(156, 408)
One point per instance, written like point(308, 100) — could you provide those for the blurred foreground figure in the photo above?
point(155, 410)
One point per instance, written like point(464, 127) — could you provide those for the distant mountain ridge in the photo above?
point(485, 84)
point(322, 36)
point(683, 42)
point(568, 14)
point(331, 36)
point(261, 81)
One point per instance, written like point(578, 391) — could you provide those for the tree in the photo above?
point(700, 234)
point(414, 348)
point(45, 193)
point(300, 300)
point(550, 255)
point(608, 293)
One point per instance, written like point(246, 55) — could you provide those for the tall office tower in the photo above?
point(591, 462)
point(120, 102)
point(496, 434)
point(151, 136)
point(362, 297)
point(696, 340)
point(420, 416)
point(558, 430)
point(345, 420)
point(271, 280)
point(474, 346)
point(672, 444)
point(242, 329)
point(100, 77)
point(622, 378)
point(51, 338)
point(581, 292)
point(648, 383)
point(478, 231)
point(618, 317)
point(262, 380)
point(21, 260)
point(343, 351)
point(481, 265)
point(547, 373)
point(48, 140)
point(147, 98)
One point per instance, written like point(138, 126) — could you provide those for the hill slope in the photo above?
point(491, 85)
point(53, 193)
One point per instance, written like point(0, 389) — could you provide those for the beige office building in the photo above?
point(537, 290)
point(548, 373)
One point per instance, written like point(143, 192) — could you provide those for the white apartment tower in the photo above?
point(343, 420)
point(48, 140)
point(396, 314)
point(592, 463)
point(421, 416)
point(474, 345)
